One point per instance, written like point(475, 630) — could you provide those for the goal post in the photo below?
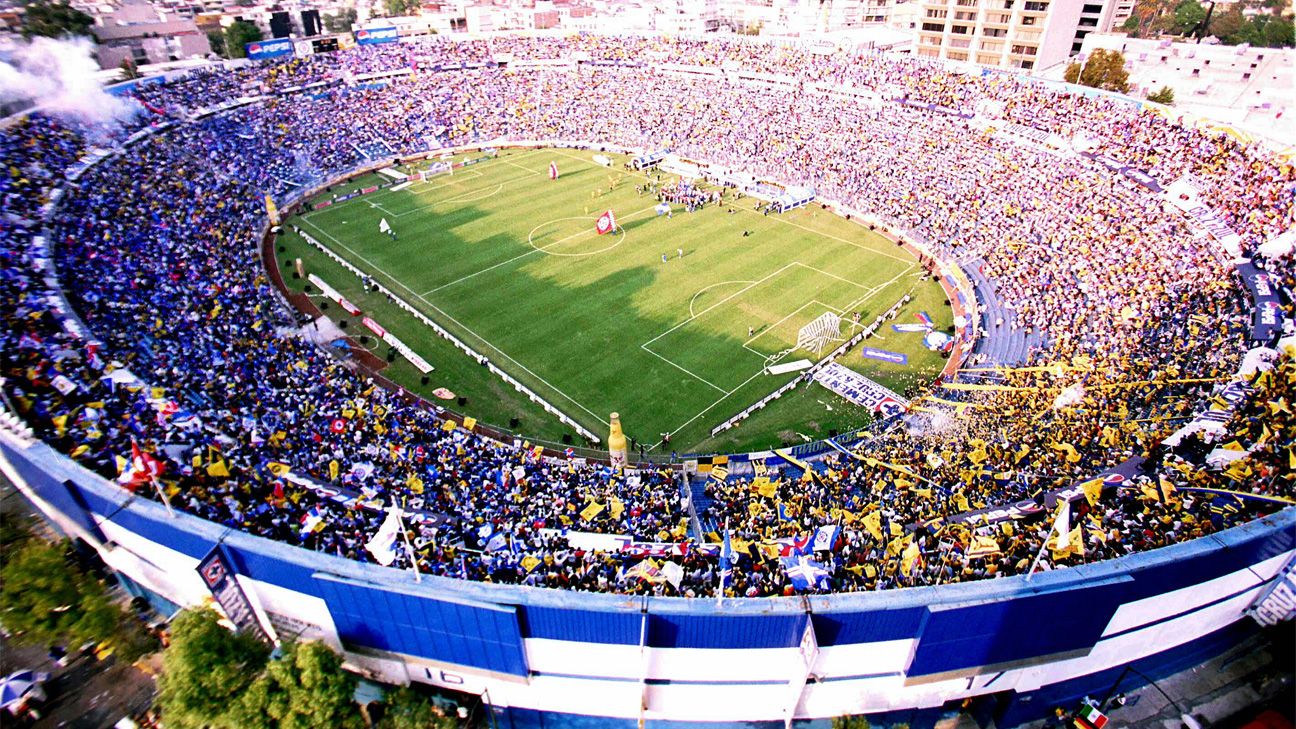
point(826, 328)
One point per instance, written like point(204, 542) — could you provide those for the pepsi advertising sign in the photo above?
point(261, 50)
point(374, 36)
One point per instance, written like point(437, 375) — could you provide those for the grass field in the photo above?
point(509, 261)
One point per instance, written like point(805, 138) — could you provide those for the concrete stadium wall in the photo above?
point(551, 658)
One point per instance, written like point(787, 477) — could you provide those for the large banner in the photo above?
point(261, 50)
point(1185, 193)
point(374, 36)
point(860, 390)
point(1127, 171)
point(220, 580)
point(1267, 319)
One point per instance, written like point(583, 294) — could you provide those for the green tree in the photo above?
point(1266, 31)
point(216, 40)
point(237, 35)
point(47, 600)
point(1164, 95)
point(304, 688)
point(396, 8)
point(54, 20)
point(1146, 16)
point(1227, 26)
point(341, 21)
point(206, 670)
point(406, 708)
point(1103, 70)
point(1187, 16)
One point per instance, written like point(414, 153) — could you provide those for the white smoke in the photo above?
point(59, 77)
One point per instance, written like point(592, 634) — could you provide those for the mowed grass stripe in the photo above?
point(572, 325)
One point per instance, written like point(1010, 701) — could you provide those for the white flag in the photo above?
point(383, 544)
point(673, 573)
point(383, 227)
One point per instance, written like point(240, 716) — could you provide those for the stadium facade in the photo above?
point(1010, 648)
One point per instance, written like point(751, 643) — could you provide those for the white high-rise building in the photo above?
point(1012, 34)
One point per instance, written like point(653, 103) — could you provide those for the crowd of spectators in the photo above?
point(192, 357)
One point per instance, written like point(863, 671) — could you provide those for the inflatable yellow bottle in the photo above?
point(617, 444)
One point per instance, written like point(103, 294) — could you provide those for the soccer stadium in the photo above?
point(644, 380)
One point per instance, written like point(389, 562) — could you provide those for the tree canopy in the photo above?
point(1103, 69)
point(238, 35)
point(1163, 95)
point(54, 20)
point(406, 708)
point(1259, 23)
point(341, 21)
point(401, 7)
point(205, 670)
point(302, 689)
point(46, 600)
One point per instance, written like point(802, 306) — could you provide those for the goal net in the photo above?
point(821, 331)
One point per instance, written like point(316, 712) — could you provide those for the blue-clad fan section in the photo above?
point(478, 635)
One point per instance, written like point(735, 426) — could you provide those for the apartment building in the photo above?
point(1012, 34)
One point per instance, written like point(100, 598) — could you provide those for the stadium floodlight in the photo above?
point(826, 328)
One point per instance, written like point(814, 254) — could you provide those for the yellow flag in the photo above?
point(469, 423)
point(873, 524)
point(415, 484)
point(530, 563)
point(591, 510)
point(334, 467)
point(449, 425)
point(617, 508)
point(278, 469)
point(218, 469)
point(896, 529)
point(1092, 490)
point(912, 556)
point(1071, 455)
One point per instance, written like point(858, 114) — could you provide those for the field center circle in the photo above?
point(544, 249)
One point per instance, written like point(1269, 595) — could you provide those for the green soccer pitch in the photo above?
point(509, 261)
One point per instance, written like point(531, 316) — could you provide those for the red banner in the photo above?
point(374, 327)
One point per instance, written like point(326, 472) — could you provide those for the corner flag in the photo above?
point(553, 170)
point(383, 227)
point(606, 223)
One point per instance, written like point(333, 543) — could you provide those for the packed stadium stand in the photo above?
point(1115, 458)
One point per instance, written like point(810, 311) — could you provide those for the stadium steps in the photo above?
point(1002, 345)
point(697, 492)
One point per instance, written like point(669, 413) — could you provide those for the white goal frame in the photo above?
point(824, 329)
